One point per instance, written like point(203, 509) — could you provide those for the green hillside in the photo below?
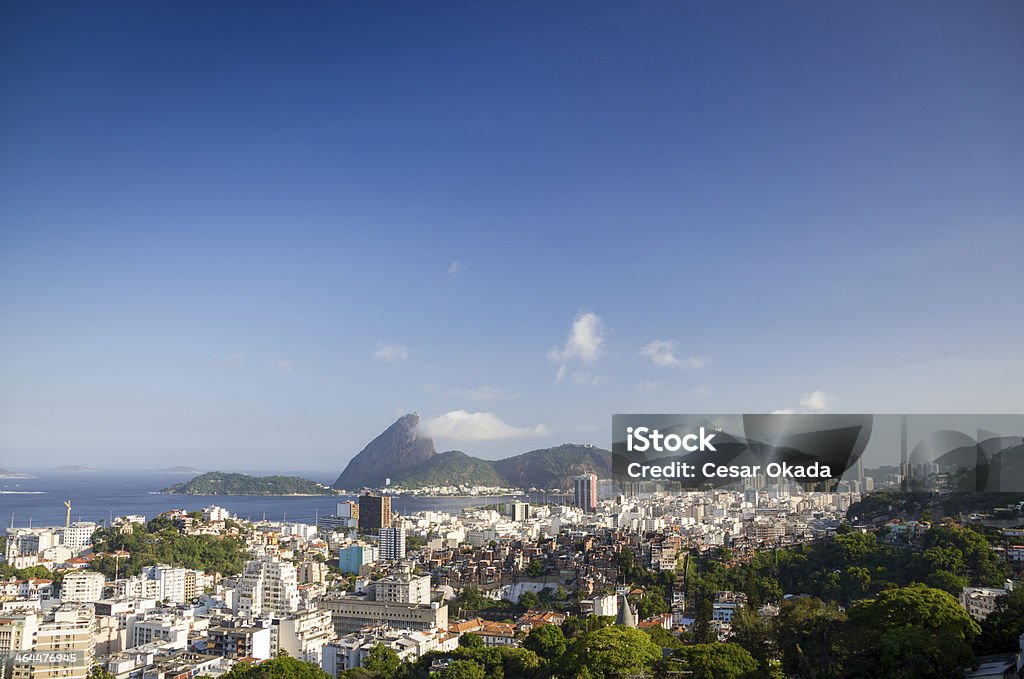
point(224, 483)
point(453, 468)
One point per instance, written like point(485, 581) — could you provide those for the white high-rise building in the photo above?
point(267, 586)
point(304, 634)
point(168, 630)
point(392, 543)
point(68, 629)
point(82, 586)
point(78, 535)
point(403, 587)
point(170, 582)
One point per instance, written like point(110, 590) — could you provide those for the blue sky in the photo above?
point(255, 232)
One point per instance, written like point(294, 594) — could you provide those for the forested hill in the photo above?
point(224, 483)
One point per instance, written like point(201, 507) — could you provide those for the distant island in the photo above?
point(76, 468)
point(8, 474)
point(225, 483)
point(180, 470)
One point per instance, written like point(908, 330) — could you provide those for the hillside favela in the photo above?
point(538, 565)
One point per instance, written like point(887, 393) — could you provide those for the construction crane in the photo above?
point(67, 522)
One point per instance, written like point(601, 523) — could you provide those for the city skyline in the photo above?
point(232, 235)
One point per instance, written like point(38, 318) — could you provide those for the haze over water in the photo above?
point(105, 494)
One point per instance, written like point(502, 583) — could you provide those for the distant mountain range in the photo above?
point(409, 460)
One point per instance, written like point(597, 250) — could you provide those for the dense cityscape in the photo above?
point(511, 340)
point(750, 582)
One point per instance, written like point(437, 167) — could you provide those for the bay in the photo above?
point(101, 495)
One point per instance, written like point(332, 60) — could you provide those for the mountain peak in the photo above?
point(397, 449)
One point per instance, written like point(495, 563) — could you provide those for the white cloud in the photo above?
point(813, 402)
point(236, 358)
point(648, 386)
point(460, 425)
point(285, 366)
point(453, 269)
point(818, 401)
point(390, 352)
point(585, 342)
point(562, 372)
point(663, 353)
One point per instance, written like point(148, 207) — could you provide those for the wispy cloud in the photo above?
point(460, 425)
point(236, 358)
point(579, 376)
point(646, 387)
point(284, 366)
point(390, 352)
point(585, 341)
point(453, 268)
point(663, 353)
point(817, 401)
point(813, 402)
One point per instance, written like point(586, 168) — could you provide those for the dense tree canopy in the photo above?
point(281, 667)
point(716, 661)
point(162, 542)
point(611, 650)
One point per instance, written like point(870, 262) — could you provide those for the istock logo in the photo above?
point(642, 439)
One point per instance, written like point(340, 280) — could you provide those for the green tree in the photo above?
point(915, 631)
point(547, 641)
point(528, 600)
point(946, 581)
point(470, 640)
point(463, 669)
point(98, 672)
point(755, 634)
point(383, 660)
point(717, 661)
point(811, 641)
point(282, 667)
point(664, 638)
point(702, 631)
point(611, 650)
point(535, 569)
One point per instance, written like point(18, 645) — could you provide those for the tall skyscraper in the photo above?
point(392, 543)
point(585, 496)
point(519, 511)
point(374, 512)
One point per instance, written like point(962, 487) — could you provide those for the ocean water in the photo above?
point(103, 494)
